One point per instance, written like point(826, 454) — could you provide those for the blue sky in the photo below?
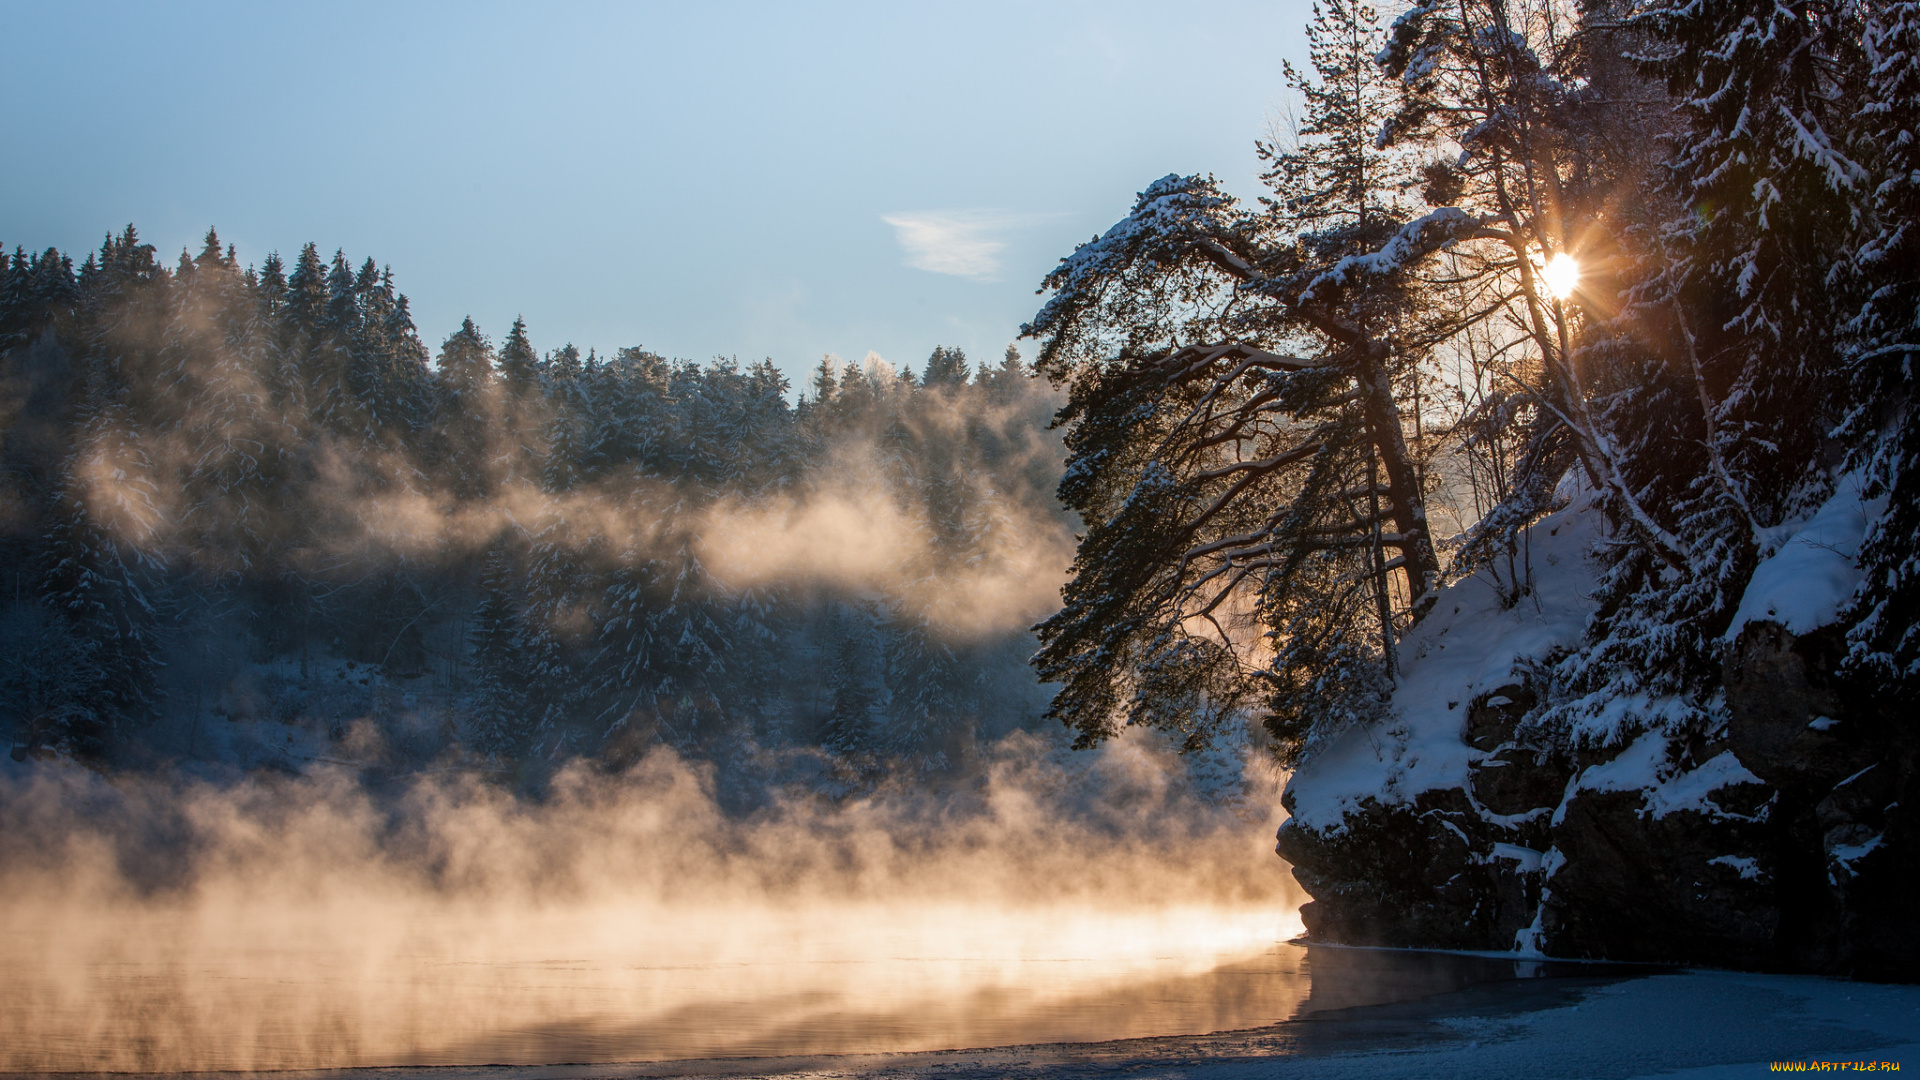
point(701, 179)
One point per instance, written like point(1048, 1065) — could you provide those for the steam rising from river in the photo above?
point(149, 922)
point(307, 922)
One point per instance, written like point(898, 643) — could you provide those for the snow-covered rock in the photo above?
point(1814, 570)
point(1464, 653)
point(1778, 838)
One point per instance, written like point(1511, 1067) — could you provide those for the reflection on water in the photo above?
point(304, 924)
point(313, 990)
point(311, 922)
point(153, 992)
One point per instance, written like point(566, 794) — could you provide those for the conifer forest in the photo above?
point(254, 492)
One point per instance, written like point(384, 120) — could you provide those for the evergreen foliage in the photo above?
point(1238, 386)
point(502, 723)
point(1884, 342)
point(1286, 423)
point(515, 545)
point(1263, 404)
point(848, 727)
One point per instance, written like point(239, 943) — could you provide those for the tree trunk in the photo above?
point(1404, 497)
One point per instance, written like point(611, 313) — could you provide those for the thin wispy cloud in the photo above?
point(962, 243)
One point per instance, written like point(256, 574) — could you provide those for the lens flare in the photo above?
point(1562, 274)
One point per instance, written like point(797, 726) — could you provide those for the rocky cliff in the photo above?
point(1780, 835)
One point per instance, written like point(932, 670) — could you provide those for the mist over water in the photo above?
point(532, 707)
point(309, 922)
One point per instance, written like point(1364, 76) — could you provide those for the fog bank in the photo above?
point(307, 922)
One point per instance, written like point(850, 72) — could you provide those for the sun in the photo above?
point(1562, 274)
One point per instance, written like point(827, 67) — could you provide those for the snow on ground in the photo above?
point(1700, 1025)
point(1812, 572)
point(1466, 647)
point(1646, 766)
point(1470, 645)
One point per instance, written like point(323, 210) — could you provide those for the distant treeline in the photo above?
point(218, 480)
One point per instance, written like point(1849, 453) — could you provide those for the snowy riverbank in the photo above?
point(1530, 795)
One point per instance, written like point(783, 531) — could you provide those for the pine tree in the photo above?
point(1007, 383)
point(945, 368)
point(848, 727)
point(1548, 130)
point(103, 652)
point(1884, 641)
point(926, 682)
point(519, 364)
point(502, 724)
point(825, 383)
point(1228, 489)
point(521, 415)
point(1335, 174)
point(689, 628)
point(220, 339)
point(467, 411)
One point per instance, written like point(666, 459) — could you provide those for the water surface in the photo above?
point(621, 985)
point(345, 986)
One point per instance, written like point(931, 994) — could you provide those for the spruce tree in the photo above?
point(945, 368)
point(520, 439)
point(390, 382)
point(623, 666)
point(1884, 642)
point(466, 409)
point(16, 307)
point(330, 362)
point(102, 653)
point(848, 727)
point(689, 623)
point(562, 446)
point(220, 341)
point(1714, 387)
point(37, 293)
point(825, 382)
point(501, 725)
point(552, 627)
point(519, 364)
point(1006, 384)
point(926, 682)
